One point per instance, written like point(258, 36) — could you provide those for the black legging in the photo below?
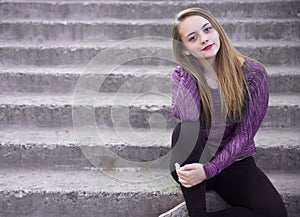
point(242, 185)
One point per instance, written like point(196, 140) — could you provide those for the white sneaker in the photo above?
point(178, 211)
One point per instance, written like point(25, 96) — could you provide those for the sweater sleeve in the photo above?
point(253, 113)
point(185, 96)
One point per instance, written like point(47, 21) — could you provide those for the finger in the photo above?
point(190, 167)
point(183, 181)
point(182, 178)
point(183, 174)
point(186, 185)
point(177, 168)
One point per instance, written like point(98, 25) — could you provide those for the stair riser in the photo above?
point(64, 83)
point(98, 32)
point(12, 56)
point(78, 204)
point(271, 158)
point(61, 116)
point(100, 10)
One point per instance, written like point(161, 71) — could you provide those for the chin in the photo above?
point(210, 57)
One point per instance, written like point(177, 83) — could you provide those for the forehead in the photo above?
point(191, 24)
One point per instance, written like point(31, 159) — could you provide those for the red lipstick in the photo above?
point(208, 47)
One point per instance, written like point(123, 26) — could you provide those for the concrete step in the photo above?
point(40, 192)
point(120, 109)
point(76, 193)
point(65, 53)
point(60, 79)
point(277, 149)
point(114, 29)
point(97, 10)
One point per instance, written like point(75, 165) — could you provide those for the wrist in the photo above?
point(210, 170)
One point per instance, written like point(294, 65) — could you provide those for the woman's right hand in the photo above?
point(190, 174)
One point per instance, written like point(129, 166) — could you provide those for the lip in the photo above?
point(208, 47)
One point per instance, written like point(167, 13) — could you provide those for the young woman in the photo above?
point(233, 89)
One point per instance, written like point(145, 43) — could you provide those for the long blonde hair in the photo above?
point(228, 69)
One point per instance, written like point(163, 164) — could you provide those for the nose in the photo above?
point(203, 39)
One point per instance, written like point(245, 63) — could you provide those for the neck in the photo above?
point(211, 77)
point(212, 62)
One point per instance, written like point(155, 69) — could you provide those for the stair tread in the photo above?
point(124, 70)
point(66, 136)
point(89, 181)
point(139, 21)
point(119, 99)
point(144, 42)
point(22, 181)
point(128, 70)
point(141, 1)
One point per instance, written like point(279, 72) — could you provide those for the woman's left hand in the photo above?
point(190, 174)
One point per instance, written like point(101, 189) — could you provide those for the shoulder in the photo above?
point(179, 74)
point(252, 66)
point(254, 71)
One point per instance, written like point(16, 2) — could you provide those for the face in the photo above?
point(199, 37)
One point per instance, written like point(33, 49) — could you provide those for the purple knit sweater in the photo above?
point(238, 138)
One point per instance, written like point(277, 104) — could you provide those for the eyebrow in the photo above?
point(201, 28)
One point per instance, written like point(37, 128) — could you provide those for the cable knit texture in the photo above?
point(238, 138)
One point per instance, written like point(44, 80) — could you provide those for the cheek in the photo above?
point(216, 38)
point(191, 47)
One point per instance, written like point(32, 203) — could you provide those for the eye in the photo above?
point(193, 38)
point(208, 29)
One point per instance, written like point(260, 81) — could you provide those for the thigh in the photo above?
point(244, 184)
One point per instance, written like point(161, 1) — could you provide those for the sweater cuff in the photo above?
point(210, 170)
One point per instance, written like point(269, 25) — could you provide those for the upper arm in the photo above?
point(185, 96)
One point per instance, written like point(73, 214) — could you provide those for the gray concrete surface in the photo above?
point(52, 147)
point(34, 192)
point(55, 110)
point(94, 10)
point(74, 30)
point(64, 79)
point(66, 53)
